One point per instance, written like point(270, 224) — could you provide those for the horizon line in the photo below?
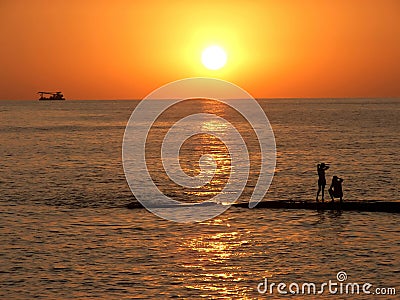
point(257, 98)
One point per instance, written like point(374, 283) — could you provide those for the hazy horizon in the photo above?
point(258, 98)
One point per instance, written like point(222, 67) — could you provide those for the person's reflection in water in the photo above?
point(335, 190)
point(321, 168)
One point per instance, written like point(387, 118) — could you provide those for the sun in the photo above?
point(214, 57)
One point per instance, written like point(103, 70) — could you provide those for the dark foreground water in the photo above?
point(65, 234)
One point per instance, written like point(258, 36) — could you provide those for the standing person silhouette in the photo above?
point(321, 168)
point(335, 190)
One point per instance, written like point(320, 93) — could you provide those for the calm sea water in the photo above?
point(65, 234)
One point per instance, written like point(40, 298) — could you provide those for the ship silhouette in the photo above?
point(53, 96)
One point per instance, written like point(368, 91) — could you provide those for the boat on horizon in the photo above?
point(54, 96)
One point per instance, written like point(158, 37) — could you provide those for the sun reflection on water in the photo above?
point(212, 256)
point(215, 126)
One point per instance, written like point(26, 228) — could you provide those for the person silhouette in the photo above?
point(335, 190)
point(321, 168)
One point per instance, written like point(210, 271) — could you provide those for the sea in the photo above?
point(65, 231)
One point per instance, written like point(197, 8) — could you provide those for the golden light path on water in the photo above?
point(227, 246)
point(217, 248)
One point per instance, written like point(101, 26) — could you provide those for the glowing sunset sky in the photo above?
point(118, 49)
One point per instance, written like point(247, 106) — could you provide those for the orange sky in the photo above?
point(119, 49)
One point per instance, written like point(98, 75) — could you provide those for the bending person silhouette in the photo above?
point(321, 168)
point(335, 190)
